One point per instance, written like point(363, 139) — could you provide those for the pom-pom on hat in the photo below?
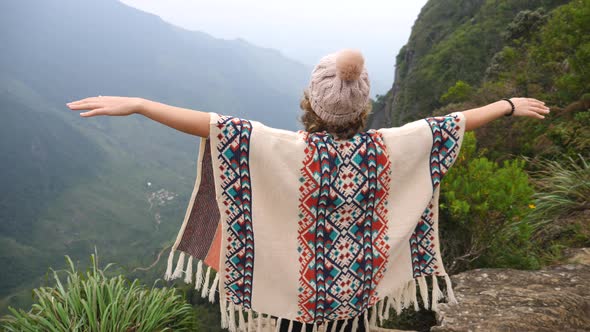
point(339, 87)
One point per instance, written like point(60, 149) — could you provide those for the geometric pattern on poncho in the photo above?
point(445, 147)
point(233, 148)
point(342, 230)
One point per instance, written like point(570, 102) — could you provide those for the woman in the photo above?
point(363, 204)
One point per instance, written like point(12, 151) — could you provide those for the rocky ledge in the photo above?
point(555, 298)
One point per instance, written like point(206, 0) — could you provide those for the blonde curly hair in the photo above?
point(313, 123)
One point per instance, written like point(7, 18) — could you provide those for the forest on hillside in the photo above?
point(517, 197)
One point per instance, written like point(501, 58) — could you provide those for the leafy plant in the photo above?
point(479, 198)
point(459, 92)
point(95, 302)
point(557, 218)
point(563, 190)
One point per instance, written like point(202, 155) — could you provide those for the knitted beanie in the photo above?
point(339, 87)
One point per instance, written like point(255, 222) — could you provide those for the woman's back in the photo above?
point(312, 228)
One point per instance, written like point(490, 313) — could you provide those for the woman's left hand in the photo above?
point(530, 107)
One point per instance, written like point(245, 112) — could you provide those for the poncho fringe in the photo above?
point(446, 136)
point(400, 298)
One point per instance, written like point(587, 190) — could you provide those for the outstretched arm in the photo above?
point(477, 117)
point(182, 119)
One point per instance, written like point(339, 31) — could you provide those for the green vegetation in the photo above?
point(518, 194)
point(459, 92)
point(550, 65)
point(560, 208)
point(564, 189)
point(66, 199)
point(545, 56)
point(95, 302)
point(451, 41)
point(479, 198)
point(469, 54)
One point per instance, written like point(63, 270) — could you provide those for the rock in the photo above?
point(380, 329)
point(578, 255)
point(555, 298)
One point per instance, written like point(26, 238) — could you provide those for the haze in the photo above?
point(303, 30)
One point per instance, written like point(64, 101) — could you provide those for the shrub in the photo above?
point(558, 217)
point(479, 198)
point(94, 302)
point(459, 92)
point(564, 188)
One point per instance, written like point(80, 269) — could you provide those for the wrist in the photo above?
point(508, 106)
point(140, 105)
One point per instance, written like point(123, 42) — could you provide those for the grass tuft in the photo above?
point(93, 302)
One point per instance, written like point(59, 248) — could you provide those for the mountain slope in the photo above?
point(451, 40)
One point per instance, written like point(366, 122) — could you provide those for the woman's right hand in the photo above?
point(107, 105)
point(530, 107)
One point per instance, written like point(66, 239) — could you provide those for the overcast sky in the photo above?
point(304, 30)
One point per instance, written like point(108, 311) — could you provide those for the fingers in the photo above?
point(536, 108)
point(542, 110)
point(85, 100)
point(534, 114)
point(99, 111)
point(101, 105)
point(85, 106)
point(534, 103)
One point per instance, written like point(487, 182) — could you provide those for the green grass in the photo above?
point(563, 188)
point(92, 301)
point(558, 216)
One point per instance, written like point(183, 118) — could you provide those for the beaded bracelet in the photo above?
point(511, 104)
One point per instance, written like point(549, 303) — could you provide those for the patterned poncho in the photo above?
point(306, 227)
